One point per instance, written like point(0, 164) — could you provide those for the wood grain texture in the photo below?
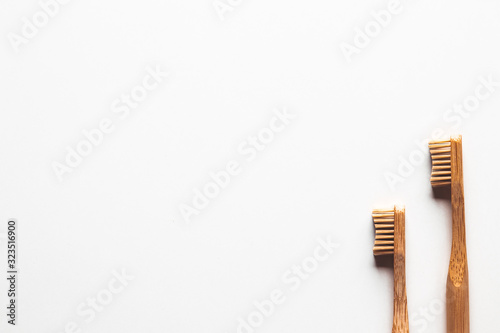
point(400, 321)
point(457, 289)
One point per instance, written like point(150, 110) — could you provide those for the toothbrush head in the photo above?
point(443, 153)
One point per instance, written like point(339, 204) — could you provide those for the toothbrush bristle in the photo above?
point(441, 162)
point(384, 231)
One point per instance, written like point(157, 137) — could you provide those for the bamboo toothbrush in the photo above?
point(390, 240)
point(447, 172)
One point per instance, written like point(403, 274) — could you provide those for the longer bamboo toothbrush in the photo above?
point(447, 171)
point(390, 240)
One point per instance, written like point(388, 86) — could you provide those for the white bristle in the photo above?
point(384, 231)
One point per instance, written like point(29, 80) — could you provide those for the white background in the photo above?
point(321, 176)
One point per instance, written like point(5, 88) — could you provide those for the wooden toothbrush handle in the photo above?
point(457, 305)
point(457, 286)
point(400, 322)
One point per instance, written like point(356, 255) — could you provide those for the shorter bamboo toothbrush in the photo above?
point(390, 240)
point(447, 172)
